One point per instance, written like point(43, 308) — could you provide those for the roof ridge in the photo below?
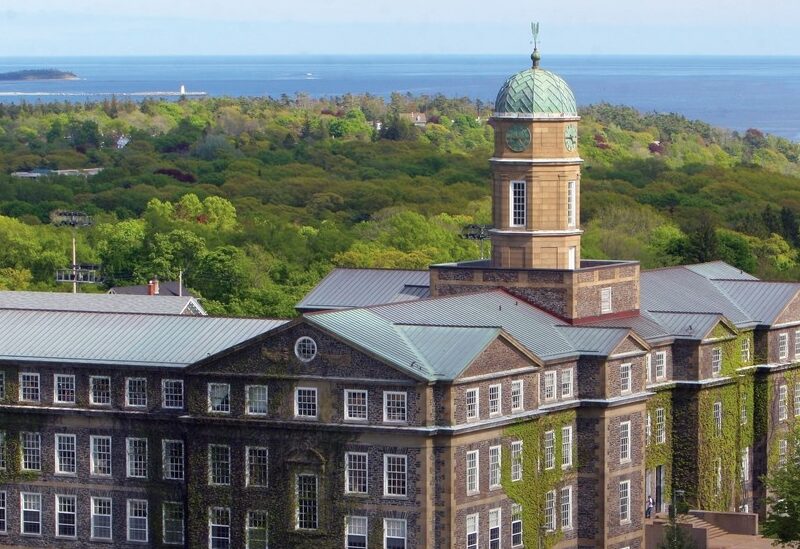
point(447, 325)
point(651, 311)
point(790, 282)
point(139, 313)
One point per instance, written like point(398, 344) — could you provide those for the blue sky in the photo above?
point(180, 27)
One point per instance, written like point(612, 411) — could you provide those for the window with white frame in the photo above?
point(624, 501)
point(355, 405)
point(625, 378)
point(100, 390)
point(571, 204)
point(518, 204)
point(718, 418)
point(605, 301)
point(257, 473)
point(219, 464)
point(783, 402)
point(3, 513)
point(355, 532)
point(30, 513)
point(101, 519)
point(219, 398)
point(257, 533)
point(29, 389)
point(256, 400)
point(305, 349)
point(783, 346)
point(31, 451)
point(394, 533)
point(100, 456)
point(136, 457)
point(494, 467)
point(661, 426)
point(745, 350)
point(136, 392)
point(472, 472)
point(471, 404)
point(661, 365)
point(648, 429)
point(172, 522)
point(172, 459)
point(549, 385)
point(516, 460)
point(219, 528)
point(719, 476)
point(517, 395)
point(305, 402)
point(494, 399)
point(516, 524)
point(797, 399)
point(66, 523)
point(494, 528)
point(648, 367)
point(307, 493)
point(566, 446)
point(172, 394)
point(549, 449)
point(566, 507)
point(745, 464)
point(716, 361)
point(566, 383)
point(550, 511)
point(572, 257)
point(63, 389)
point(472, 531)
point(395, 470)
point(137, 520)
point(394, 407)
point(356, 472)
point(797, 344)
point(65, 454)
point(624, 441)
point(783, 446)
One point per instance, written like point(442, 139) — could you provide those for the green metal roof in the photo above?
point(536, 91)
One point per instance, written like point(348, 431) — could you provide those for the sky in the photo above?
point(258, 27)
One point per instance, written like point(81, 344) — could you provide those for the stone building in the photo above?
point(533, 399)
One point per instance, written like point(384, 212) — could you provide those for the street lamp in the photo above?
point(74, 220)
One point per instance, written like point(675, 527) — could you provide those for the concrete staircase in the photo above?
point(712, 531)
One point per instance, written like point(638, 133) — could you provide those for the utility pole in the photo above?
point(180, 283)
point(74, 220)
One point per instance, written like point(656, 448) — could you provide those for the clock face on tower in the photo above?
point(571, 137)
point(518, 137)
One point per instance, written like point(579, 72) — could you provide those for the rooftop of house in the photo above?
point(164, 288)
point(109, 303)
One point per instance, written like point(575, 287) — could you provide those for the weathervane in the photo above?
point(535, 55)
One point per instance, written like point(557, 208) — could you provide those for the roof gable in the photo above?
point(501, 355)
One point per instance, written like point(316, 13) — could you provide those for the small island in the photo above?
point(37, 74)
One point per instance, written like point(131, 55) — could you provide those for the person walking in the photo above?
point(648, 510)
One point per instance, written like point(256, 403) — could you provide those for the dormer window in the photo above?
point(518, 204)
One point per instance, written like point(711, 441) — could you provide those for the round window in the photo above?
point(305, 349)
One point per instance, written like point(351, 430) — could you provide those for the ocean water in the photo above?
point(730, 92)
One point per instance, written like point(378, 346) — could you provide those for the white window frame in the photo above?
point(625, 378)
point(606, 303)
point(26, 501)
point(26, 440)
point(65, 465)
point(783, 346)
point(97, 462)
point(549, 450)
point(495, 402)
point(517, 395)
point(516, 520)
point(743, 411)
point(142, 512)
point(61, 514)
point(550, 511)
point(746, 464)
point(166, 518)
point(386, 530)
point(472, 525)
point(783, 402)
point(391, 395)
point(550, 386)
point(219, 527)
point(624, 502)
point(132, 459)
point(625, 442)
point(401, 458)
point(172, 467)
point(797, 344)
point(797, 399)
point(170, 404)
point(357, 393)
point(26, 382)
point(3, 512)
point(648, 429)
point(249, 400)
point(566, 507)
point(472, 411)
point(93, 380)
point(298, 505)
point(472, 477)
point(251, 528)
point(572, 209)
point(128, 381)
point(495, 463)
point(716, 361)
point(745, 350)
point(495, 523)
point(357, 526)
point(515, 220)
point(257, 457)
point(220, 467)
point(661, 426)
point(57, 379)
point(354, 475)
point(567, 382)
point(572, 257)
point(566, 447)
point(307, 392)
point(516, 460)
point(224, 405)
point(783, 449)
point(93, 526)
point(718, 418)
point(661, 365)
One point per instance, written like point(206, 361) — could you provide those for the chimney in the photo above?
point(152, 287)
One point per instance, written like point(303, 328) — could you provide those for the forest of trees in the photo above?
point(257, 199)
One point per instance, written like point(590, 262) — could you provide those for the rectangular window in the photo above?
point(65, 454)
point(494, 399)
point(305, 402)
point(572, 253)
point(648, 429)
point(566, 447)
point(494, 467)
point(257, 536)
point(494, 528)
point(566, 383)
point(648, 367)
point(3, 513)
point(394, 407)
point(472, 472)
point(783, 402)
point(518, 204)
point(516, 524)
point(549, 451)
point(256, 400)
point(571, 203)
point(31, 451)
point(716, 361)
point(257, 473)
point(31, 513)
point(172, 394)
point(797, 399)
point(719, 476)
point(624, 441)
point(63, 389)
point(136, 457)
point(219, 528)
point(355, 532)
point(172, 522)
point(605, 301)
point(745, 464)
point(355, 408)
point(624, 501)
point(472, 531)
point(796, 344)
point(783, 446)
point(100, 390)
point(355, 471)
point(394, 533)
point(566, 508)
point(743, 411)
point(549, 385)
point(29, 390)
point(219, 398)
point(661, 365)
point(136, 392)
point(471, 401)
point(745, 350)
point(394, 475)
point(550, 511)
point(101, 520)
point(219, 464)
point(625, 378)
point(516, 460)
point(516, 395)
point(306, 513)
point(100, 456)
point(66, 517)
point(718, 418)
point(661, 426)
point(172, 459)
point(783, 346)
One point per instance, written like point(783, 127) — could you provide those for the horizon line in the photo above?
point(397, 54)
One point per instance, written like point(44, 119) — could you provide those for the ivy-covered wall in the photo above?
point(660, 454)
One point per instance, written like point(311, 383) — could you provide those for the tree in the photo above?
point(675, 537)
point(783, 499)
point(703, 243)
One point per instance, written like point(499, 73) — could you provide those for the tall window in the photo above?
point(566, 383)
point(550, 510)
point(471, 403)
point(516, 460)
point(518, 204)
point(31, 511)
point(306, 512)
point(494, 528)
point(219, 528)
point(100, 456)
point(625, 501)
point(31, 451)
point(172, 522)
point(172, 394)
point(472, 531)
point(355, 532)
point(136, 455)
point(566, 507)
point(395, 475)
point(136, 392)
point(172, 459)
point(355, 405)
point(494, 399)
point(219, 398)
point(648, 367)
point(100, 390)
point(29, 390)
point(3, 513)
point(719, 476)
point(394, 406)
point(783, 402)
point(745, 464)
point(797, 344)
point(356, 472)
point(648, 429)
point(661, 426)
point(257, 530)
point(625, 378)
point(566, 446)
point(572, 257)
point(549, 385)
point(494, 467)
point(66, 517)
point(571, 203)
point(516, 524)
point(394, 533)
point(257, 473)
point(219, 464)
point(472, 472)
point(661, 365)
point(783, 346)
point(549, 453)
point(137, 520)
point(516, 395)
point(718, 418)
point(101, 519)
point(624, 441)
point(63, 389)
point(783, 447)
point(745, 354)
point(797, 399)
point(65, 454)
point(605, 301)
point(716, 361)
point(256, 404)
point(743, 411)
point(305, 402)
